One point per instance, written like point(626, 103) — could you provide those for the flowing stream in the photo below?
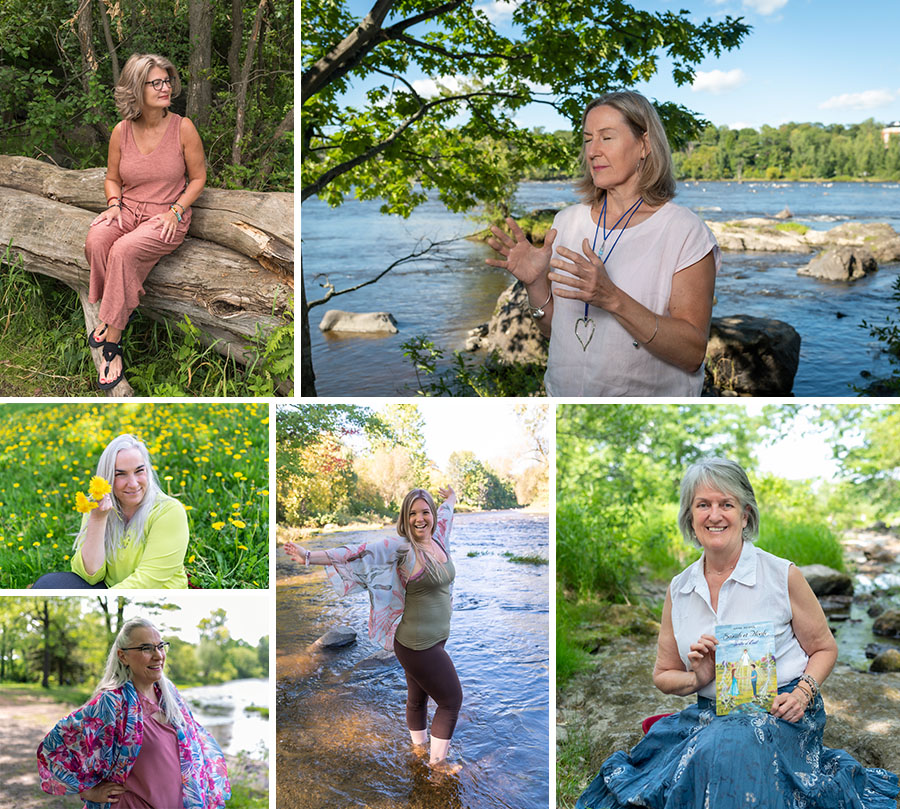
point(341, 733)
point(222, 710)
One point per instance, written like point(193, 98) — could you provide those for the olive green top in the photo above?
point(426, 611)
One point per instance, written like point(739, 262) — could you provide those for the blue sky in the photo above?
point(804, 61)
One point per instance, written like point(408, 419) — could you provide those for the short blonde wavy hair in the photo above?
point(656, 178)
point(129, 90)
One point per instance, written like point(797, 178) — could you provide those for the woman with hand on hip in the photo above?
point(409, 580)
point(623, 285)
point(155, 172)
point(135, 744)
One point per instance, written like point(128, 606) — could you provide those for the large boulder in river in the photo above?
point(888, 660)
point(841, 264)
point(878, 238)
point(336, 638)
point(751, 356)
point(359, 322)
point(826, 581)
point(512, 331)
point(888, 624)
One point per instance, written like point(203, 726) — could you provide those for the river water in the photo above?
point(444, 297)
point(341, 733)
point(221, 709)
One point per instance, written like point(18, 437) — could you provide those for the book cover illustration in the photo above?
point(745, 667)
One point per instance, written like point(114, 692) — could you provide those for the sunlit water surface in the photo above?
point(342, 739)
point(446, 296)
point(221, 709)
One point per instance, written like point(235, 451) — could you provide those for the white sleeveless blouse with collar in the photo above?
point(756, 590)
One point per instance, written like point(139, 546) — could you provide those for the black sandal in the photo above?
point(110, 352)
point(95, 342)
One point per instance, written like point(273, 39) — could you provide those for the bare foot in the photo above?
point(444, 767)
point(99, 334)
point(109, 371)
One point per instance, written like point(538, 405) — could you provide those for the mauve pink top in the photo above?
point(158, 177)
point(155, 780)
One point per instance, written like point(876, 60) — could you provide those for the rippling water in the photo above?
point(445, 297)
point(221, 709)
point(342, 738)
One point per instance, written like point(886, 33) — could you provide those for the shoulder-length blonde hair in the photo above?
point(423, 554)
point(656, 175)
point(129, 90)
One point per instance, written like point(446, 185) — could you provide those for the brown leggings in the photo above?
point(430, 673)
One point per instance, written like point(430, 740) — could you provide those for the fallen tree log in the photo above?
point(235, 282)
point(226, 294)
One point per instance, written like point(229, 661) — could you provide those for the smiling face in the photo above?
point(157, 99)
point(146, 669)
point(421, 521)
point(611, 148)
point(130, 480)
point(718, 520)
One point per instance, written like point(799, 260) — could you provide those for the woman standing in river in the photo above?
point(409, 580)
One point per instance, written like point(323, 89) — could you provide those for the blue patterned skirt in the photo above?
point(697, 760)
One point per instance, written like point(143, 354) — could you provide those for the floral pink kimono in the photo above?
point(101, 741)
point(382, 569)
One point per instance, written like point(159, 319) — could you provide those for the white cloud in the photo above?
point(765, 6)
point(718, 81)
point(499, 10)
point(866, 100)
point(428, 88)
point(738, 125)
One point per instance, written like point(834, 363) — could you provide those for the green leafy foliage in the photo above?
point(888, 334)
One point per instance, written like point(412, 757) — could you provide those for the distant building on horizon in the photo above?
point(890, 129)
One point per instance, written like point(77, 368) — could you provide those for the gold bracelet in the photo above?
point(637, 344)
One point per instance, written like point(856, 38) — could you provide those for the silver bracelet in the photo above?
point(537, 312)
point(636, 344)
point(308, 554)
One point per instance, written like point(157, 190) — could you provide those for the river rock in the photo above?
point(358, 322)
point(888, 660)
point(875, 610)
point(751, 356)
point(841, 264)
point(872, 650)
point(878, 238)
point(512, 331)
point(336, 638)
point(836, 608)
point(888, 624)
point(826, 581)
point(382, 657)
point(785, 213)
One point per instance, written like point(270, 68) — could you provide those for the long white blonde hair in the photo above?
point(116, 525)
point(116, 673)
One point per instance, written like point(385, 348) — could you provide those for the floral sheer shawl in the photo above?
point(382, 568)
point(101, 741)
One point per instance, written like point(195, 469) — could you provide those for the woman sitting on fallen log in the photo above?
point(156, 171)
point(136, 537)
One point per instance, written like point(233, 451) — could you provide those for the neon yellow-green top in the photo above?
point(155, 561)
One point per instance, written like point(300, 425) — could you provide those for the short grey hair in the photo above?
point(726, 476)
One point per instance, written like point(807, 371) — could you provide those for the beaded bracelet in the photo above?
point(811, 682)
point(174, 210)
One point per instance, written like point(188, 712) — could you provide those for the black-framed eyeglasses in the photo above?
point(147, 648)
point(158, 83)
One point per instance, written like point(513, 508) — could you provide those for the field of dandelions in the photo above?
point(213, 457)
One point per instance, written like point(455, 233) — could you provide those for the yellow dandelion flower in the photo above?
point(191, 559)
point(168, 477)
point(210, 491)
point(98, 487)
point(15, 485)
point(188, 508)
point(35, 544)
point(242, 547)
point(48, 534)
point(218, 526)
point(66, 558)
point(82, 504)
point(55, 546)
point(238, 523)
point(264, 493)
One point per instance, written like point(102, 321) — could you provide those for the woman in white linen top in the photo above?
point(628, 302)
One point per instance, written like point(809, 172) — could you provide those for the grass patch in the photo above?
point(260, 709)
point(471, 554)
point(45, 353)
point(572, 759)
point(525, 560)
point(804, 543)
point(67, 694)
point(212, 457)
point(245, 797)
point(791, 227)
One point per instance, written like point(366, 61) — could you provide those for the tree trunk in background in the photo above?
point(307, 373)
point(107, 35)
point(45, 667)
point(244, 84)
point(234, 49)
point(265, 165)
point(199, 95)
point(89, 63)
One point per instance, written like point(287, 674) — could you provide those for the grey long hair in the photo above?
point(117, 673)
point(726, 476)
point(116, 524)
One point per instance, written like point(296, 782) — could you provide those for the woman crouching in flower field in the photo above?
point(135, 744)
point(132, 534)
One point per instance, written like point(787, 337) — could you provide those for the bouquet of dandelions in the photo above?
point(98, 487)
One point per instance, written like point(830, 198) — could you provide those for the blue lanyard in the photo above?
point(602, 218)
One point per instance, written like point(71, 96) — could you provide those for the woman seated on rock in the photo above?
point(408, 578)
point(156, 171)
point(135, 743)
point(627, 310)
point(774, 759)
point(136, 537)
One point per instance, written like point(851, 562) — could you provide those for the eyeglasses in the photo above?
point(158, 83)
point(147, 648)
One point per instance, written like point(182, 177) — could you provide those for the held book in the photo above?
point(745, 667)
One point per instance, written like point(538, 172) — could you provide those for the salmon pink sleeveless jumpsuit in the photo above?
point(121, 257)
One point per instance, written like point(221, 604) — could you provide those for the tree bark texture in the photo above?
point(199, 95)
point(237, 34)
point(233, 276)
point(307, 372)
point(244, 84)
